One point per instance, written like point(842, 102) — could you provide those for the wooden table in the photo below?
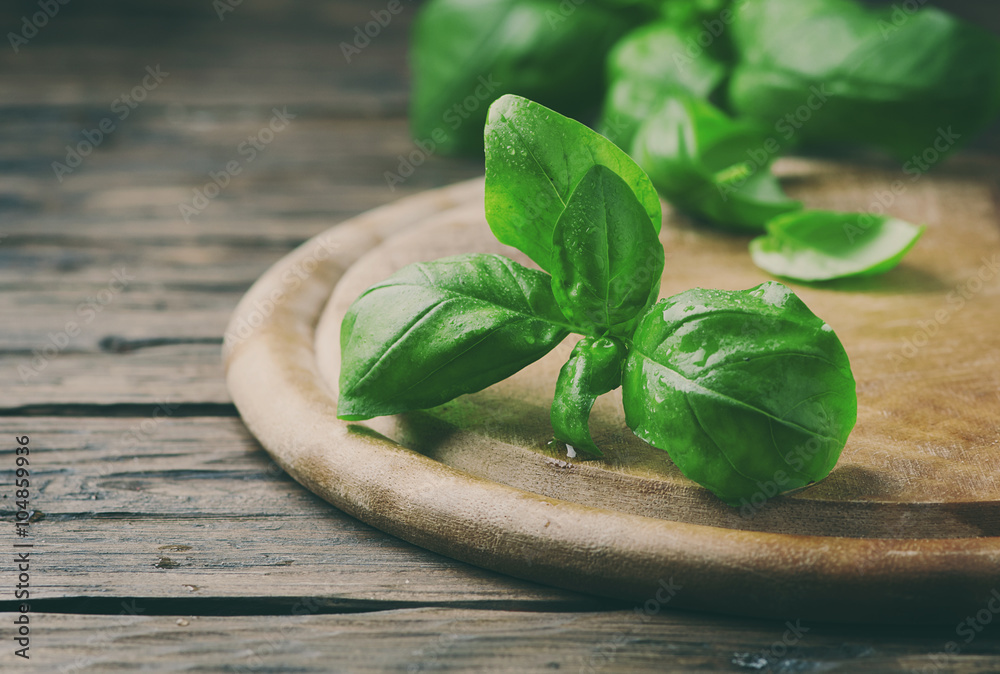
point(164, 538)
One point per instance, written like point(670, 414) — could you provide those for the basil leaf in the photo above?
point(748, 391)
point(698, 12)
point(436, 330)
point(593, 369)
point(823, 245)
point(534, 159)
point(832, 71)
point(711, 166)
point(646, 67)
point(606, 259)
point(467, 53)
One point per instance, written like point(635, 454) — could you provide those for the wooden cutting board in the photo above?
point(906, 528)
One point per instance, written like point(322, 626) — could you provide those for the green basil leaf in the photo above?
point(748, 391)
point(702, 13)
point(711, 166)
point(823, 245)
point(436, 330)
point(645, 10)
point(829, 72)
point(607, 260)
point(534, 159)
point(467, 53)
point(646, 67)
point(593, 369)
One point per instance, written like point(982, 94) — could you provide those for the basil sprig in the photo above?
point(742, 389)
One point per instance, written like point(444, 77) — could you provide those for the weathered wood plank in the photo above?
point(312, 175)
point(153, 506)
point(88, 267)
point(134, 314)
point(432, 639)
point(225, 77)
point(172, 372)
point(218, 60)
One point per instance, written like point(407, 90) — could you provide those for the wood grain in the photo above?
point(121, 371)
point(57, 242)
point(430, 639)
point(155, 506)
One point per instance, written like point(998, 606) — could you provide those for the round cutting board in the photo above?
point(906, 528)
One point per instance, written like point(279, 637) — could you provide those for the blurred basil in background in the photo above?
point(706, 94)
point(882, 77)
point(820, 73)
point(468, 53)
